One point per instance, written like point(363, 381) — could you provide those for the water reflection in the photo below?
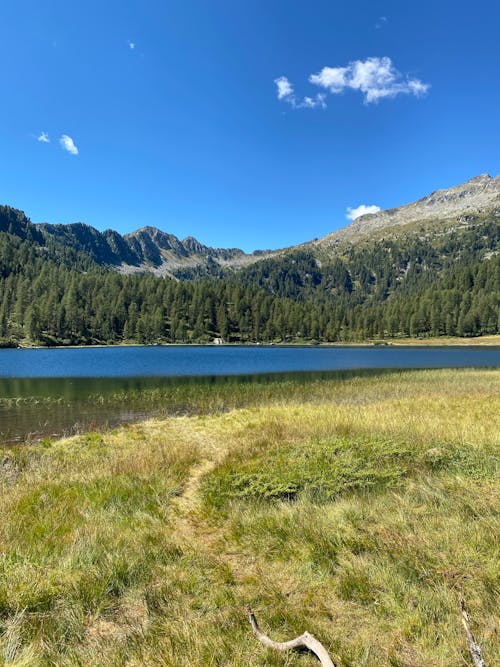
point(33, 408)
point(54, 391)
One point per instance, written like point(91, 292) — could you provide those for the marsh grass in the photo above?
point(41, 408)
point(360, 509)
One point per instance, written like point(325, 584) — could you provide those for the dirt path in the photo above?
point(194, 532)
point(189, 501)
point(190, 528)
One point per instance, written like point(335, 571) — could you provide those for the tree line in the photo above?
point(442, 285)
point(61, 306)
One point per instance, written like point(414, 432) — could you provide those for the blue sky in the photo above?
point(255, 124)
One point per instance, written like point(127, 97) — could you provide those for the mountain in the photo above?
point(381, 255)
point(146, 250)
point(151, 250)
point(161, 253)
point(442, 208)
point(431, 267)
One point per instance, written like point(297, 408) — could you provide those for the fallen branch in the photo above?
point(474, 647)
point(305, 641)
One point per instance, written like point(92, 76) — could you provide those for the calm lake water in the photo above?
point(144, 361)
point(57, 391)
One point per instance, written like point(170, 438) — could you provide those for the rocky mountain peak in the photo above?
point(193, 245)
point(482, 178)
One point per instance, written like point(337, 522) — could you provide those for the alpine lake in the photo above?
point(55, 392)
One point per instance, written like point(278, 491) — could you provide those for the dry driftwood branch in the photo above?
point(474, 647)
point(305, 641)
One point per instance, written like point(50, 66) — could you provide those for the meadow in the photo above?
point(361, 508)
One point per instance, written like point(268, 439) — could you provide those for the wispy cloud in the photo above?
point(362, 209)
point(68, 144)
point(375, 78)
point(131, 45)
point(285, 92)
point(317, 102)
point(44, 138)
point(382, 20)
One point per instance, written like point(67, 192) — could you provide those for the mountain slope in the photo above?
point(150, 249)
point(164, 254)
point(392, 252)
point(452, 206)
point(426, 269)
point(147, 249)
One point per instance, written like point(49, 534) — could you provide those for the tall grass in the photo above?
point(360, 509)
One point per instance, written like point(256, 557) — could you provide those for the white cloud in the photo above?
point(417, 87)
point(362, 209)
point(131, 45)
point(332, 78)
point(382, 20)
point(68, 144)
point(284, 87)
point(376, 78)
point(313, 102)
point(44, 138)
point(285, 92)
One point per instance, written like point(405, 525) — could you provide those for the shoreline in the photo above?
point(78, 405)
point(479, 341)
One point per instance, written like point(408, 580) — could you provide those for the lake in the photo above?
point(51, 392)
point(168, 361)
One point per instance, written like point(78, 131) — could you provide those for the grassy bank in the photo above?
point(447, 340)
point(492, 339)
point(360, 509)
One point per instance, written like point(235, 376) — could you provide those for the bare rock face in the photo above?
point(164, 254)
point(478, 195)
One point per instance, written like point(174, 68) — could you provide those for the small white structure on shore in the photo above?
point(218, 341)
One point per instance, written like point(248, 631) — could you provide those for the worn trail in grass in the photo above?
point(359, 509)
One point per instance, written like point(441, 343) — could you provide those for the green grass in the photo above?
point(323, 469)
point(361, 509)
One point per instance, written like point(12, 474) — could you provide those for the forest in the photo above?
point(410, 285)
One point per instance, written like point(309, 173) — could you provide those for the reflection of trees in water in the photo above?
point(34, 408)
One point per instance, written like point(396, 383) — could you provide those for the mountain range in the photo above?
point(431, 267)
point(153, 250)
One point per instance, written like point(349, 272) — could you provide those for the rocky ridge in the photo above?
point(148, 249)
point(151, 250)
point(476, 196)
